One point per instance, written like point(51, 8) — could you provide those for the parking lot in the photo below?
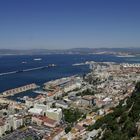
point(22, 134)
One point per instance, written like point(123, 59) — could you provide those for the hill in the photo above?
point(116, 51)
point(124, 122)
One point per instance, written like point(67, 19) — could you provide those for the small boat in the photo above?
point(78, 64)
point(51, 65)
point(37, 59)
point(24, 62)
point(40, 92)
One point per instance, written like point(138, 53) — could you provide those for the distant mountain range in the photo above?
point(117, 51)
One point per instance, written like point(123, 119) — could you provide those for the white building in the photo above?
point(17, 122)
point(29, 102)
point(54, 113)
point(61, 104)
point(91, 135)
point(11, 123)
point(42, 106)
point(39, 109)
point(36, 111)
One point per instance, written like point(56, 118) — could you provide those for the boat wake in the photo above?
point(7, 73)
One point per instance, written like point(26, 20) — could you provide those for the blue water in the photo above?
point(64, 67)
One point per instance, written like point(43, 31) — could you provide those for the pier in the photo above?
point(18, 90)
point(27, 70)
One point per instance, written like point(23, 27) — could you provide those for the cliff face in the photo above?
point(124, 122)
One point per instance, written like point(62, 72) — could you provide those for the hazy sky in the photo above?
point(54, 24)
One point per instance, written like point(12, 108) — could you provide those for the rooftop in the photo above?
point(88, 97)
point(35, 110)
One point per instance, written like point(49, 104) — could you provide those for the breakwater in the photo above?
point(18, 90)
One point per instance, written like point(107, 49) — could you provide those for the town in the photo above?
point(65, 108)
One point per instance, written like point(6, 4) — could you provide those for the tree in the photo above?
point(71, 115)
point(4, 113)
point(68, 129)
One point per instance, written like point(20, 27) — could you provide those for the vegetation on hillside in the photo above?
point(122, 123)
point(71, 115)
point(86, 92)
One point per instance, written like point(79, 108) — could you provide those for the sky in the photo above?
point(63, 24)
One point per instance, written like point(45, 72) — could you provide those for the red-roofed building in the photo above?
point(55, 135)
point(78, 131)
point(43, 120)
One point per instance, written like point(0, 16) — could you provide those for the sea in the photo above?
point(64, 67)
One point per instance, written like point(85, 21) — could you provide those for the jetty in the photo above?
point(12, 92)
